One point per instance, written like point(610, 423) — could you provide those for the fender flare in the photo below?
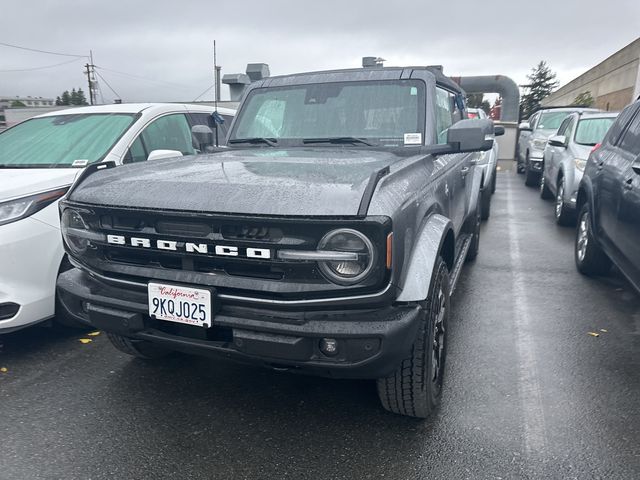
point(426, 249)
point(476, 189)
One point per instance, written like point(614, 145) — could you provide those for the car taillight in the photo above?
point(596, 147)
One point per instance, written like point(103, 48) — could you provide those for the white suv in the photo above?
point(39, 160)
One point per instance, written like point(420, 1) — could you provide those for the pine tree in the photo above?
point(542, 81)
point(58, 100)
point(82, 100)
point(74, 97)
point(65, 98)
point(585, 99)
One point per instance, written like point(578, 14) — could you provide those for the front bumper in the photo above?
point(371, 343)
point(30, 256)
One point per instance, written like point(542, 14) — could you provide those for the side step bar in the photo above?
point(457, 267)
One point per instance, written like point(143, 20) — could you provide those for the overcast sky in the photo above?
point(170, 43)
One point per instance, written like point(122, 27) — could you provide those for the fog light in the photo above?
point(329, 346)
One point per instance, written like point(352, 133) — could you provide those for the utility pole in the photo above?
point(88, 73)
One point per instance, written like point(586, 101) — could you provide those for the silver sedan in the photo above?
point(565, 157)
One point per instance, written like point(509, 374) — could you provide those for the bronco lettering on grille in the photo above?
point(204, 248)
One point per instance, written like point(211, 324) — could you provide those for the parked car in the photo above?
point(533, 136)
point(565, 158)
point(488, 161)
point(326, 240)
point(609, 202)
point(39, 160)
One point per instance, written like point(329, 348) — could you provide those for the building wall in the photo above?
point(613, 83)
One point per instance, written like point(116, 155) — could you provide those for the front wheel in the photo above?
point(531, 178)
point(415, 388)
point(589, 257)
point(564, 214)
point(545, 193)
point(494, 181)
point(485, 202)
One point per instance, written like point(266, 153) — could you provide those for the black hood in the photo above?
point(260, 181)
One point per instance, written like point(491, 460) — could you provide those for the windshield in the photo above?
point(552, 120)
point(61, 140)
point(379, 112)
point(591, 131)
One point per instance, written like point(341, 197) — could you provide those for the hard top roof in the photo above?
point(358, 74)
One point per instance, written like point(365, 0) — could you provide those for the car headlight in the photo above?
point(580, 164)
point(539, 143)
point(347, 272)
point(19, 208)
point(75, 231)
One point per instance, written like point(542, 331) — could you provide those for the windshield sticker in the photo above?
point(80, 163)
point(414, 90)
point(413, 139)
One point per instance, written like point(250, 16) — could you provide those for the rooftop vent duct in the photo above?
point(370, 62)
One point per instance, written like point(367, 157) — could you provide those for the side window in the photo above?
point(136, 153)
point(571, 128)
point(563, 127)
point(630, 142)
point(171, 132)
point(533, 121)
point(444, 114)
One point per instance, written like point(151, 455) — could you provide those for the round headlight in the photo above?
point(347, 272)
point(72, 223)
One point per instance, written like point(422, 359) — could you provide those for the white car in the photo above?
point(39, 160)
point(489, 163)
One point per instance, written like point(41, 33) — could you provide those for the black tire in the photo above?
point(415, 388)
point(494, 181)
point(137, 348)
point(564, 215)
point(519, 168)
point(531, 178)
point(589, 257)
point(473, 227)
point(485, 203)
point(545, 193)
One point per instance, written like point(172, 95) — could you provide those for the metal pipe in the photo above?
point(500, 84)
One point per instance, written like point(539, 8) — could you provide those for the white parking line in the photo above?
point(528, 385)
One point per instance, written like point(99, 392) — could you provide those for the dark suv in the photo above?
point(326, 239)
point(609, 202)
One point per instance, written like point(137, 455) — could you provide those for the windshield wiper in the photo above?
point(338, 140)
point(272, 142)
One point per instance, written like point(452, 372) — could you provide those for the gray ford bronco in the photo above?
point(326, 238)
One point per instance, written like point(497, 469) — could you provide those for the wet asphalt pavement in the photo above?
point(529, 394)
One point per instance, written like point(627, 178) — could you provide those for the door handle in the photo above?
point(464, 171)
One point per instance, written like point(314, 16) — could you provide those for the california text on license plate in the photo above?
point(180, 304)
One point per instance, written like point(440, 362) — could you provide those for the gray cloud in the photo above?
point(170, 43)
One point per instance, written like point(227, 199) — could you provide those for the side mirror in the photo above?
point(203, 136)
point(498, 130)
point(636, 165)
point(470, 135)
point(525, 126)
point(558, 141)
point(160, 154)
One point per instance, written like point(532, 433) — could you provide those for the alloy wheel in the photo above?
point(560, 199)
point(438, 347)
point(583, 236)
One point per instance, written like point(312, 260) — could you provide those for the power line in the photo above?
point(42, 51)
point(107, 84)
point(41, 68)
point(160, 82)
point(209, 88)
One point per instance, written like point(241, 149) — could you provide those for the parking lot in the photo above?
point(529, 393)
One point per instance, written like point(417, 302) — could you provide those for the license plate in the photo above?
point(180, 304)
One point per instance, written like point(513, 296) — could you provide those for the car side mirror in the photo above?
point(525, 126)
point(203, 136)
point(160, 154)
point(498, 130)
point(558, 141)
point(470, 135)
point(636, 165)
